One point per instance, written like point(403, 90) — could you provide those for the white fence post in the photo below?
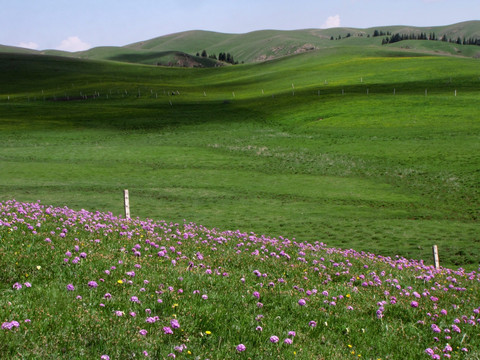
point(127, 204)
point(436, 261)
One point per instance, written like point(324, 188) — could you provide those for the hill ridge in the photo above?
point(268, 44)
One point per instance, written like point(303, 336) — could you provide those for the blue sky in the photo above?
point(82, 24)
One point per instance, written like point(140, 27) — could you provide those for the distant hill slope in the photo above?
point(16, 50)
point(269, 44)
point(180, 49)
point(153, 57)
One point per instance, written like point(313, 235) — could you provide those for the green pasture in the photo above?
point(360, 148)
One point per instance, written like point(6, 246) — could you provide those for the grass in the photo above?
point(82, 284)
point(241, 148)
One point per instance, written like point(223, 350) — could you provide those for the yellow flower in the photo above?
point(350, 346)
point(348, 295)
point(189, 352)
point(120, 282)
point(208, 332)
point(174, 306)
point(38, 267)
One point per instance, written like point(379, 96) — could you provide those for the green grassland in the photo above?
point(357, 146)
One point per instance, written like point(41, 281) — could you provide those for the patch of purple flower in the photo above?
point(274, 339)
point(167, 330)
point(241, 348)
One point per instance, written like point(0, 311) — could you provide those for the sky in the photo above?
point(82, 24)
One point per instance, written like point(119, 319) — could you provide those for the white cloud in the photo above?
point(29, 45)
point(73, 43)
point(331, 22)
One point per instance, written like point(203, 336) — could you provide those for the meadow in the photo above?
point(91, 285)
point(285, 209)
point(366, 149)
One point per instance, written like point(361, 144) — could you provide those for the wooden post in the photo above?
point(127, 204)
point(436, 261)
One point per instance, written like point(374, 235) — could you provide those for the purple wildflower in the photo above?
point(302, 302)
point(17, 286)
point(92, 284)
point(167, 330)
point(274, 339)
point(70, 287)
point(241, 348)
point(174, 324)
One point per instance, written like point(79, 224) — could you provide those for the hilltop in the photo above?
point(184, 49)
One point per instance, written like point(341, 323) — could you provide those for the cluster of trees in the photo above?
point(381, 33)
point(225, 57)
point(347, 36)
point(423, 36)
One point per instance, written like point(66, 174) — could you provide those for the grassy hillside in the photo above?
point(360, 148)
point(90, 285)
point(18, 50)
point(269, 44)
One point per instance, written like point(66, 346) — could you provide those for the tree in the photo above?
point(204, 53)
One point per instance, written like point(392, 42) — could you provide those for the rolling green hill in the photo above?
point(179, 49)
point(269, 44)
point(373, 148)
